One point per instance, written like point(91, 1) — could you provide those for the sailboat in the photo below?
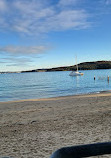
point(76, 73)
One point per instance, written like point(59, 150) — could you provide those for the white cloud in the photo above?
point(14, 61)
point(108, 2)
point(18, 50)
point(17, 60)
point(3, 6)
point(73, 19)
point(33, 17)
point(68, 2)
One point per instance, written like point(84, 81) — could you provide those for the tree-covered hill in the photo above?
point(81, 66)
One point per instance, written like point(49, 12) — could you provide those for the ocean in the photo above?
point(33, 85)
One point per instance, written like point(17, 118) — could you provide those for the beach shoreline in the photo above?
point(37, 127)
point(92, 94)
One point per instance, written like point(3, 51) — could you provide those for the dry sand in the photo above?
point(36, 128)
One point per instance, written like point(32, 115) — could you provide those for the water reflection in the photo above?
point(77, 81)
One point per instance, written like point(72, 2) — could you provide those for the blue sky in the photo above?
point(50, 33)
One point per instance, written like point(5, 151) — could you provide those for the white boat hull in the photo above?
point(75, 73)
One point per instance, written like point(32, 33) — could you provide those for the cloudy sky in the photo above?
point(50, 33)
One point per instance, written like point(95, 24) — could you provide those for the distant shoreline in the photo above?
point(95, 65)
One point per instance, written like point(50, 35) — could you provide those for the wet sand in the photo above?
point(36, 128)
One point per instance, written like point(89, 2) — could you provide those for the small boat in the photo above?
point(76, 73)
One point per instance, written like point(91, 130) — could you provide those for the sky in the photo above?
point(38, 34)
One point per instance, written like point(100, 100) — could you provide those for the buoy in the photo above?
point(108, 78)
point(94, 77)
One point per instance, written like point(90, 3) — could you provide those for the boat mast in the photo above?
point(76, 64)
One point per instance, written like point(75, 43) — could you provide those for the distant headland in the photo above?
point(82, 66)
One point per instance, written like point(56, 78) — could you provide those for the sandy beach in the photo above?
point(36, 128)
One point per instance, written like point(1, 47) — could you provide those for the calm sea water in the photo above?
point(18, 86)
